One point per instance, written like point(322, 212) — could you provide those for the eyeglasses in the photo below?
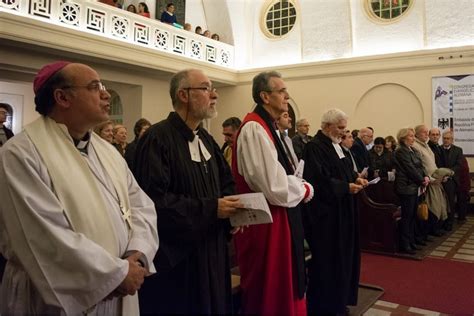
point(94, 86)
point(4, 112)
point(280, 91)
point(207, 89)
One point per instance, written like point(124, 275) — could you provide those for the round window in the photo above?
point(388, 10)
point(280, 17)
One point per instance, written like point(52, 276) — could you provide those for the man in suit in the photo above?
point(301, 138)
point(359, 149)
point(451, 157)
point(434, 135)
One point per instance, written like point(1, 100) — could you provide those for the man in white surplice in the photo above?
point(78, 232)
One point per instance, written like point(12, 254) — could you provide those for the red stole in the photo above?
point(264, 255)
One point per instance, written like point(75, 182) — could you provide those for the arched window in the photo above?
point(116, 108)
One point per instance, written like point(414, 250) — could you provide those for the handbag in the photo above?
point(422, 210)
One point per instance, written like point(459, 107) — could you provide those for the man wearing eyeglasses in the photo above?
point(182, 169)
point(5, 133)
point(270, 256)
point(359, 149)
point(78, 232)
point(301, 138)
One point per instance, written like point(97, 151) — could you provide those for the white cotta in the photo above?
point(53, 268)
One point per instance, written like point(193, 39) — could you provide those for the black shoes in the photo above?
point(415, 247)
point(420, 243)
point(462, 220)
point(437, 233)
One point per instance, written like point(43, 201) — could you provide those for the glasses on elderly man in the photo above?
point(282, 91)
point(206, 89)
point(94, 86)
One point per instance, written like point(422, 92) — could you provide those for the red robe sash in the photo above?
point(264, 255)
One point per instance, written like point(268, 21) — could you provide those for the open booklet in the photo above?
point(256, 210)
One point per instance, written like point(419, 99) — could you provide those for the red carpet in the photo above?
point(439, 285)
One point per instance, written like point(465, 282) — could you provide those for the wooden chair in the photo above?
point(378, 221)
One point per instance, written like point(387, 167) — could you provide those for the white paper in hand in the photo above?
point(300, 169)
point(374, 181)
point(256, 210)
point(364, 172)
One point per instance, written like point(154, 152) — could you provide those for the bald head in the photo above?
point(366, 135)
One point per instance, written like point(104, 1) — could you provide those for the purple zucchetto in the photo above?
point(47, 72)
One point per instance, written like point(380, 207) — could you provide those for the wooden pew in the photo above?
point(379, 219)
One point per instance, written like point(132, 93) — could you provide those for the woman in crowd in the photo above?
point(105, 131)
point(198, 30)
point(120, 138)
point(410, 177)
point(143, 9)
point(215, 37)
point(131, 8)
point(390, 143)
point(207, 33)
point(139, 129)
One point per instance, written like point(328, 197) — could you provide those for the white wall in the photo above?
point(195, 14)
point(371, 37)
point(449, 23)
point(326, 29)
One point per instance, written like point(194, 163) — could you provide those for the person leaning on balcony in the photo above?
point(168, 15)
point(143, 9)
point(132, 8)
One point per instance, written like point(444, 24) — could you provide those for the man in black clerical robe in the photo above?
point(331, 220)
point(181, 168)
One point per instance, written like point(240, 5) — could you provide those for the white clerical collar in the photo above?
point(447, 147)
point(196, 147)
point(81, 145)
point(339, 151)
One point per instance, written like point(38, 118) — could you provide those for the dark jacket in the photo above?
point(436, 149)
point(452, 159)
point(383, 163)
point(361, 154)
point(409, 170)
point(298, 145)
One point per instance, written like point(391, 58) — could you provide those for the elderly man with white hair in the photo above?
point(331, 219)
point(359, 149)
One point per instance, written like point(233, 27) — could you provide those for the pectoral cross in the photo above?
point(126, 215)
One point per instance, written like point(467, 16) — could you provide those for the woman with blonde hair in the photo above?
point(410, 177)
point(120, 138)
point(105, 131)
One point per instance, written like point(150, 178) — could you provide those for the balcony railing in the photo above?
point(121, 25)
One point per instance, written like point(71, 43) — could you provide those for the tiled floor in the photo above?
point(458, 246)
point(382, 308)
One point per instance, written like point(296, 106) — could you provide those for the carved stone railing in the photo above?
point(107, 21)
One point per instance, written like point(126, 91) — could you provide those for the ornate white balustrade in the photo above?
point(110, 22)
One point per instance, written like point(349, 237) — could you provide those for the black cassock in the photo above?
point(331, 225)
point(193, 273)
